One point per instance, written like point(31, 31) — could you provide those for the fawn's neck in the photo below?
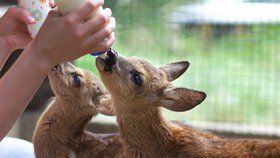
point(67, 117)
point(144, 130)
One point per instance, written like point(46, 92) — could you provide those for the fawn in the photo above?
point(138, 91)
point(60, 131)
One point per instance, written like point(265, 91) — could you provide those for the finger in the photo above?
point(101, 46)
point(97, 22)
point(107, 12)
point(102, 34)
point(82, 13)
point(52, 4)
point(21, 14)
point(106, 44)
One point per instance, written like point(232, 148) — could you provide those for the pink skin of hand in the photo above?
point(13, 31)
point(79, 33)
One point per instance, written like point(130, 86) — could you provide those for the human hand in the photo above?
point(66, 38)
point(13, 31)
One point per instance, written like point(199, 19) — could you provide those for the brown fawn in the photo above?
point(60, 131)
point(138, 91)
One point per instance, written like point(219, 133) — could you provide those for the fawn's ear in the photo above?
point(105, 106)
point(181, 99)
point(175, 70)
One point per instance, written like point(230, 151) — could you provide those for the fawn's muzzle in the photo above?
point(68, 65)
point(110, 60)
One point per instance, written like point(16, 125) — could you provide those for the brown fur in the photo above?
point(146, 134)
point(60, 131)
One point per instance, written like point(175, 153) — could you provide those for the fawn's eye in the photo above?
point(76, 79)
point(136, 78)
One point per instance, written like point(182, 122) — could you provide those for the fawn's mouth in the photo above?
point(109, 61)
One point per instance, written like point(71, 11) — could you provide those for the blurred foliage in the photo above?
point(239, 70)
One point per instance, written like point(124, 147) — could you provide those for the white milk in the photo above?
point(39, 10)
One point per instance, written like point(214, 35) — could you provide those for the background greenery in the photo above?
point(239, 70)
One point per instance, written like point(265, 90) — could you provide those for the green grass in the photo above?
point(238, 71)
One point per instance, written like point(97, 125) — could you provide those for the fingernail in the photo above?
point(100, 1)
point(31, 19)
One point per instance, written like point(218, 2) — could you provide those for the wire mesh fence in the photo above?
point(236, 64)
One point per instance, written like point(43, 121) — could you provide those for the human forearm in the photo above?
point(4, 53)
point(18, 87)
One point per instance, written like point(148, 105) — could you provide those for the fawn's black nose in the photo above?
point(111, 59)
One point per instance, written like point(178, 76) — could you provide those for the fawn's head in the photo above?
point(79, 87)
point(133, 80)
